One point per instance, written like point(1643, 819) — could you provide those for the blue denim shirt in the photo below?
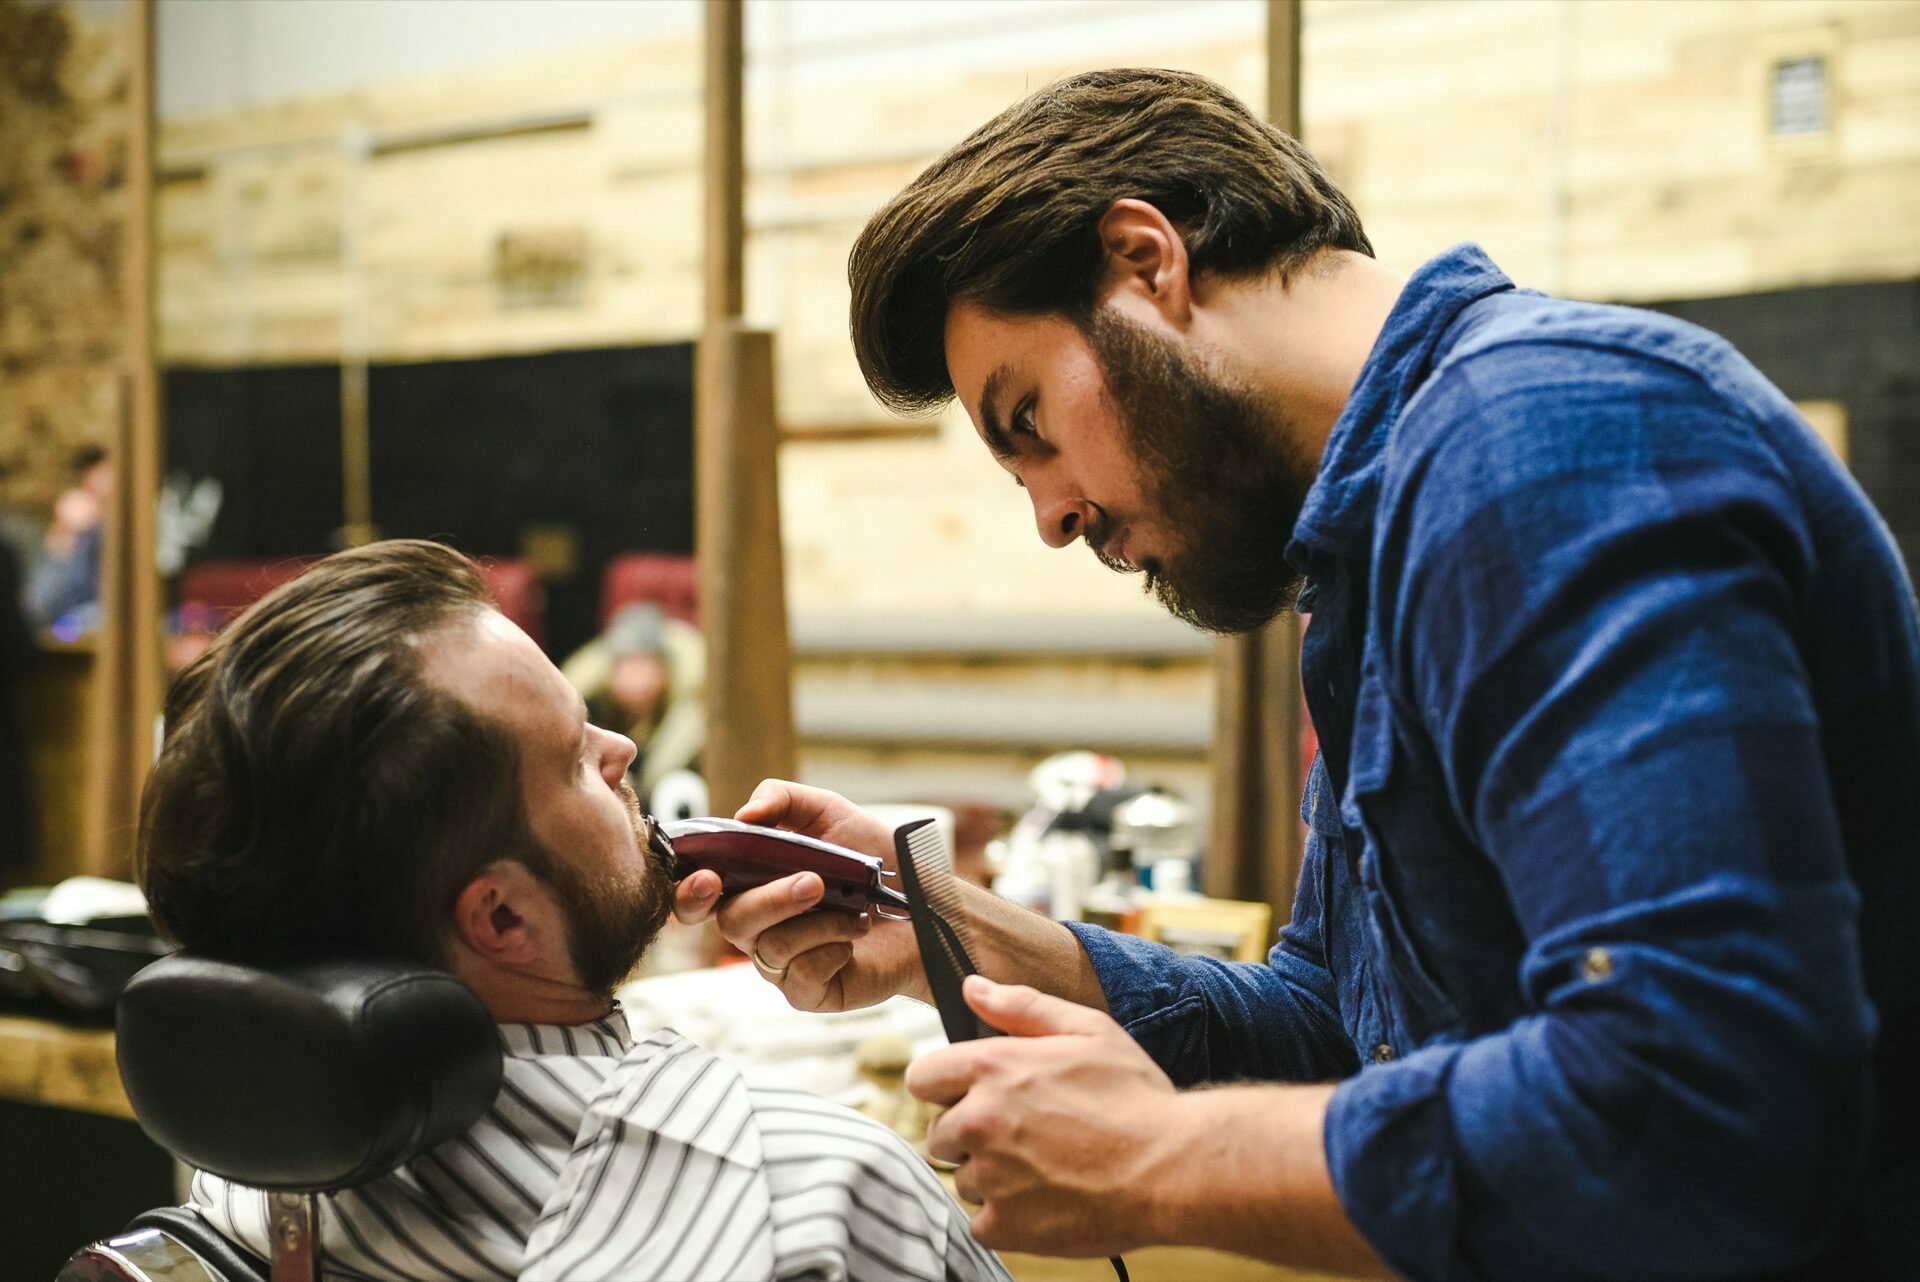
point(1614, 837)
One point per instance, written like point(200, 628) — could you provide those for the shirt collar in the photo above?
point(1337, 517)
point(649, 1086)
point(608, 1035)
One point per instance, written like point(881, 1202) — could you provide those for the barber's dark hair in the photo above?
point(316, 795)
point(1009, 218)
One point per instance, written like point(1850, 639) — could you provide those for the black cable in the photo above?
point(1119, 1267)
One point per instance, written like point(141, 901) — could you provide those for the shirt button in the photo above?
point(1382, 1053)
point(1596, 965)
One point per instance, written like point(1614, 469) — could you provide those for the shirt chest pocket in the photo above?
point(1381, 813)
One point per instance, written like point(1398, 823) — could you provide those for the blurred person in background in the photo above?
point(65, 577)
point(1602, 963)
point(646, 677)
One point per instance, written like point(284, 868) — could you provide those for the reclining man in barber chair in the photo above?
point(373, 761)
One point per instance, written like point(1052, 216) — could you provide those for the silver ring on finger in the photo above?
point(775, 973)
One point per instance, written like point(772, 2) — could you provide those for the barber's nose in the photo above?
point(1061, 520)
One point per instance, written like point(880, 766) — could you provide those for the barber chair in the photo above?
point(300, 1079)
point(518, 591)
point(216, 591)
point(222, 589)
point(663, 579)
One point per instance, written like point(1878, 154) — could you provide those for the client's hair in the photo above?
point(316, 795)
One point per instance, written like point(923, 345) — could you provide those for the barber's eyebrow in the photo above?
point(991, 428)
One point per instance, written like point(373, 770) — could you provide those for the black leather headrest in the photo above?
point(304, 1077)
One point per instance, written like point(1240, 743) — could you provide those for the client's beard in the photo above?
point(612, 918)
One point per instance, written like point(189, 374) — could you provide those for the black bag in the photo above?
point(72, 971)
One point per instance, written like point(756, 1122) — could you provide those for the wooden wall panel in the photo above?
point(1577, 140)
point(1608, 150)
point(1621, 150)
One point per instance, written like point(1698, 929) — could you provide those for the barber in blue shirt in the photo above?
point(1603, 961)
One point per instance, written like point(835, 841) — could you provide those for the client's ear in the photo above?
point(505, 914)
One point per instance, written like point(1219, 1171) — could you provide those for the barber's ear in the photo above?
point(1144, 263)
point(497, 914)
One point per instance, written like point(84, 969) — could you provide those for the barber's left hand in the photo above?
point(1062, 1131)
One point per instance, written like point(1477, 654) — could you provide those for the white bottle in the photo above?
point(1024, 878)
point(1073, 866)
point(1172, 879)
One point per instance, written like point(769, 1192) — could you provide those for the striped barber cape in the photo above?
point(609, 1158)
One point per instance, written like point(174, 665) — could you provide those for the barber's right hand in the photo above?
point(824, 961)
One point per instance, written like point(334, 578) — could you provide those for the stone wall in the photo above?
point(63, 143)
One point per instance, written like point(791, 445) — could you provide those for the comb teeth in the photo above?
point(938, 884)
point(932, 895)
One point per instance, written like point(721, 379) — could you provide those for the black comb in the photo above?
point(938, 926)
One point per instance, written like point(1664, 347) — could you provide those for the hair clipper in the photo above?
point(747, 855)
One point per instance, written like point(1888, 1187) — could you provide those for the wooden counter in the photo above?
point(60, 1065)
point(74, 1166)
point(1150, 1264)
point(1157, 1264)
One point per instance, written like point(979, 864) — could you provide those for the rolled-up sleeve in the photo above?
point(1207, 1020)
point(1599, 645)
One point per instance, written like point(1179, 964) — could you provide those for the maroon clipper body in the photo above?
point(747, 855)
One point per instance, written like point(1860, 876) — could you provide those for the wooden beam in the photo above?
point(128, 682)
point(149, 431)
point(356, 449)
point(834, 433)
point(1283, 65)
point(743, 604)
point(357, 527)
point(726, 58)
point(1256, 839)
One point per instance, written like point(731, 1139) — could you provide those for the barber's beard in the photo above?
point(613, 917)
point(1220, 473)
